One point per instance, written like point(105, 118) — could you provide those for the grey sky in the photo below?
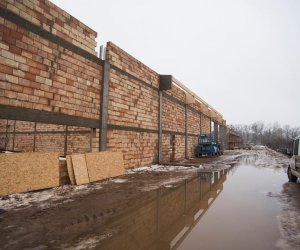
point(242, 57)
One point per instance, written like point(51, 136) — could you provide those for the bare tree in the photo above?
point(272, 135)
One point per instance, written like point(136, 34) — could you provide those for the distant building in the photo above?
point(234, 140)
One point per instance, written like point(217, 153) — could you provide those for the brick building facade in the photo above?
point(57, 95)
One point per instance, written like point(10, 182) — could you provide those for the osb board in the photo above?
point(23, 172)
point(80, 170)
point(70, 170)
point(103, 165)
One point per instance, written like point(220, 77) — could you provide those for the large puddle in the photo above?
point(230, 209)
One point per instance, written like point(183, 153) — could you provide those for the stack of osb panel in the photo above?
point(90, 167)
point(24, 172)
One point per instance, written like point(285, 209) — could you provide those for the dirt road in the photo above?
point(162, 207)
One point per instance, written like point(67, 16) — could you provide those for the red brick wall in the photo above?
point(121, 59)
point(193, 122)
point(173, 120)
point(192, 143)
point(205, 125)
point(134, 104)
point(173, 116)
point(38, 74)
point(49, 137)
point(43, 74)
point(139, 148)
point(55, 20)
point(179, 147)
point(131, 103)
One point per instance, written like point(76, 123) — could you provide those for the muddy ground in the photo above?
point(78, 217)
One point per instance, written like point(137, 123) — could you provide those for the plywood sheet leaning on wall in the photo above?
point(24, 172)
point(70, 170)
point(80, 169)
point(103, 165)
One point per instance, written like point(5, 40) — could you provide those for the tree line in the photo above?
point(273, 135)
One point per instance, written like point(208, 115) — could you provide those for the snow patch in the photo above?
point(45, 198)
point(118, 180)
point(90, 243)
point(159, 168)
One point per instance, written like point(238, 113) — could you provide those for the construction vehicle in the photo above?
point(207, 146)
point(293, 171)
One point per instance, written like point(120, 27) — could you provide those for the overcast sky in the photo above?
point(242, 57)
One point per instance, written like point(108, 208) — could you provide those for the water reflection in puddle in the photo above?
point(243, 216)
point(229, 209)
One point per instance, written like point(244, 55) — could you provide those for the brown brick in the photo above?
point(17, 88)
point(27, 90)
point(30, 76)
point(6, 69)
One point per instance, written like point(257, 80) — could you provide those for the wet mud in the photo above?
point(239, 201)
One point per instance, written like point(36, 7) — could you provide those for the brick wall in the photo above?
point(139, 148)
point(133, 103)
point(173, 116)
point(48, 63)
point(205, 124)
point(39, 74)
point(23, 136)
point(55, 20)
point(122, 60)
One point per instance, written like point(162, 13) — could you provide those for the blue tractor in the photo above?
point(207, 146)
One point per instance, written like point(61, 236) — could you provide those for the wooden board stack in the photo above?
point(90, 167)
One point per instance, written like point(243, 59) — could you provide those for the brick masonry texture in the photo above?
point(121, 59)
point(79, 139)
point(38, 72)
point(192, 142)
point(194, 122)
point(205, 125)
point(139, 149)
point(131, 104)
point(55, 20)
point(173, 116)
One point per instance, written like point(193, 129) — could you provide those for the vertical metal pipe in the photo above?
point(14, 135)
point(66, 141)
point(34, 137)
point(200, 122)
point(6, 136)
point(104, 107)
point(210, 128)
point(160, 116)
point(91, 140)
point(186, 132)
